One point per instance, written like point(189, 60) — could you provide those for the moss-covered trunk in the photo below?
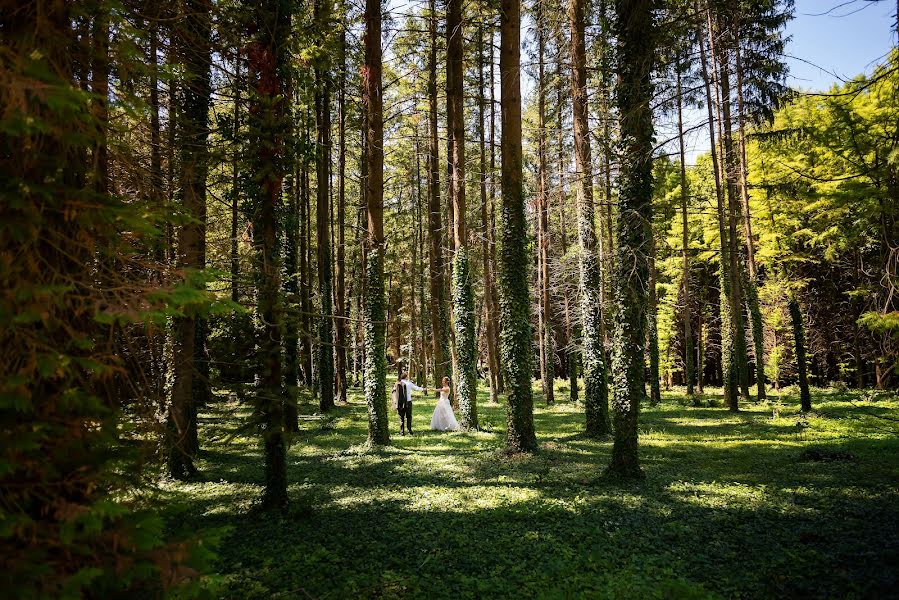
point(635, 35)
point(596, 395)
point(515, 306)
point(375, 327)
point(268, 72)
point(463, 295)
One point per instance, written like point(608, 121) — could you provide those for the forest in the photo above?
point(635, 291)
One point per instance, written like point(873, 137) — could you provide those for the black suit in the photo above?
point(405, 412)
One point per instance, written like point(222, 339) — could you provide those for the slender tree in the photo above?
point(343, 324)
point(596, 398)
point(375, 324)
point(463, 294)
point(634, 31)
point(268, 71)
point(439, 316)
point(547, 365)
point(192, 38)
point(515, 305)
point(323, 215)
point(489, 310)
point(689, 374)
point(728, 353)
point(799, 349)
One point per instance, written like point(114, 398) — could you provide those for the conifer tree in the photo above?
point(515, 307)
point(634, 31)
point(267, 53)
point(375, 326)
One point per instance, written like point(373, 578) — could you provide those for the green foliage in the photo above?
point(74, 521)
point(375, 348)
point(733, 505)
point(463, 313)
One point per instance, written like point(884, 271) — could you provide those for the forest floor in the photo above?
point(753, 504)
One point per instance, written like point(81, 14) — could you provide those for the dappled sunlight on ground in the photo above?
point(764, 502)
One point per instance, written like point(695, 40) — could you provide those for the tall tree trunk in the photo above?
point(547, 376)
point(719, 56)
point(728, 347)
point(268, 72)
point(689, 374)
point(192, 39)
point(292, 184)
point(439, 317)
point(571, 354)
point(463, 294)
point(799, 351)
point(303, 243)
point(489, 334)
point(636, 52)
point(375, 333)
point(343, 325)
point(323, 219)
point(596, 395)
point(655, 393)
point(752, 296)
point(493, 306)
point(235, 193)
point(515, 306)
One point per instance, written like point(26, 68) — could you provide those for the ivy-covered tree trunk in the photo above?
point(634, 31)
point(515, 306)
point(375, 328)
point(463, 294)
point(439, 313)
point(596, 395)
point(323, 216)
point(799, 348)
point(689, 370)
point(192, 40)
point(493, 304)
point(268, 72)
point(728, 348)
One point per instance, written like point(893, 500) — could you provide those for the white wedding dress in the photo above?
point(443, 418)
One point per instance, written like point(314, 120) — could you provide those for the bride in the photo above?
point(443, 418)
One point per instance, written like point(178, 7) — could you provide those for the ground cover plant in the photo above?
point(761, 503)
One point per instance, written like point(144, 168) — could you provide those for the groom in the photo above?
point(403, 398)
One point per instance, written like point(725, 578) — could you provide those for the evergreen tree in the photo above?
point(375, 329)
point(596, 399)
point(267, 53)
point(463, 295)
point(323, 213)
point(515, 306)
point(634, 31)
point(192, 37)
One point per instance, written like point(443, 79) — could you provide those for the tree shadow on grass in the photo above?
point(665, 546)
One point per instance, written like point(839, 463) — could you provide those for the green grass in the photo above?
point(731, 506)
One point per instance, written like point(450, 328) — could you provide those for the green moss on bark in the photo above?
point(376, 349)
point(466, 349)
